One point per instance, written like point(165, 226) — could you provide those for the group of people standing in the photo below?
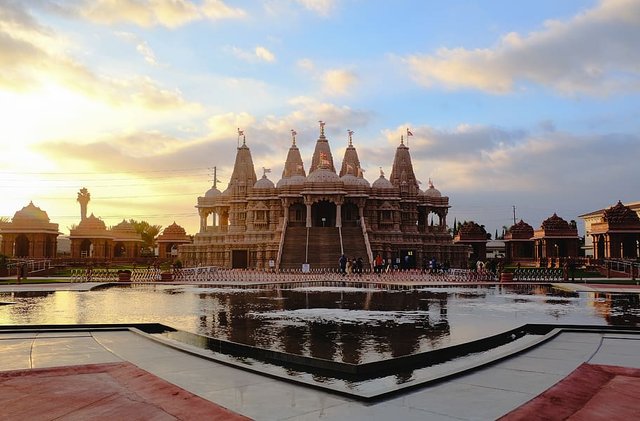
point(349, 266)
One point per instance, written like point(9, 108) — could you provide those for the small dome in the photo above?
point(124, 227)
point(432, 191)
point(522, 227)
point(554, 222)
point(323, 175)
point(352, 180)
point(212, 192)
point(92, 223)
point(382, 183)
point(263, 183)
point(174, 229)
point(620, 215)
point(31, 212)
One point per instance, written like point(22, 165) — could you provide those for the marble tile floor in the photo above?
point(484, 394)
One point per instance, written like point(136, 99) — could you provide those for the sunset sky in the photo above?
point(528, 103)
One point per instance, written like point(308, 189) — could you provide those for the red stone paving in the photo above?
point(591, 392)
point(115, 391)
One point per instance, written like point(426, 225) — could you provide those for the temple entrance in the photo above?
point(22, 246)
point(239, 259)
point(323, 214)
point(86, 248)
point(350, 215)
point(119, 250)
point(297, 215)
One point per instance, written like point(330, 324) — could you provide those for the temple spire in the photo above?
point(322, 157)
point(350, 162)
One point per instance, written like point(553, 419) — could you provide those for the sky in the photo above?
point(533, 104)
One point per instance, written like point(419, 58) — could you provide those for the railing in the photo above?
point(629, 267)
point(367, 244)
point(538, 274)
point(30, 266)
point(281, 244)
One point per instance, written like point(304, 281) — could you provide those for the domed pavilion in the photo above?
point(555, 239)
point(30, 234)
point(307, 220)
point(617, 234)
point(171, 238)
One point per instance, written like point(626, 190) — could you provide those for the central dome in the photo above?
point(323, 175)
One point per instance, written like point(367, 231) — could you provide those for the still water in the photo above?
point(353, 325)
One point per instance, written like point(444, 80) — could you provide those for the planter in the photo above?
point(124, 276)
point(506, 277)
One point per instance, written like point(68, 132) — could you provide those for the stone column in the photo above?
point(203, 220)
point(309, 224)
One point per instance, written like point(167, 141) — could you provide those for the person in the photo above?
point(343, 264)
point(378, 264)
point(349, 267)
point(23, 271)
point(359, 266)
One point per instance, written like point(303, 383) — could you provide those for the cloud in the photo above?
point(142, 47)
point(264, 54)
point(306, 64)
point(321, 7)
point(149, 13)
point(594, 53)
point(32, 57)
point(338, 81)
point(258, 54)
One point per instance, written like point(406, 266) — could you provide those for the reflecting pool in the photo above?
point(353, 325)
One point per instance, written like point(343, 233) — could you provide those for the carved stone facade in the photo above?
point(556, 238)
point(171, 238)
point(617, 234)
point(312, 219)
point(29, 234)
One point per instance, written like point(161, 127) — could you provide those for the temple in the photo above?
point(306, 221)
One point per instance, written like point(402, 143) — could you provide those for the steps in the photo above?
point(354, 245)
point(324, 248)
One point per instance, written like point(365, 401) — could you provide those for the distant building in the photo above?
point(556, 238)
point(171, 238)
point(474, 235)
point(91, 238)
point(30, 234)
point(519, 245)
point(596, 217)
point(616, 235)
point(312, 219)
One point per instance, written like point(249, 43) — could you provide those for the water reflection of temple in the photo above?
point(618, 309)
point(229, 317)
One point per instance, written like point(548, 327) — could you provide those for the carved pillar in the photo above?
point(203, 220)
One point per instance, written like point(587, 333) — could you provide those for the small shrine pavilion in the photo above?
point(474, 235)
point(519, 243)
point(30, 234)
point(170, 239)
point(556, 239)
point(617, 235)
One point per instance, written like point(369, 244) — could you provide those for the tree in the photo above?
point(148, 233)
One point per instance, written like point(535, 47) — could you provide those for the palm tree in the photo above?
point(147, 231)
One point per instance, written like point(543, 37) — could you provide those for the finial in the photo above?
point(244, 140)
point(402, 139)
point(293, 136)
point(322, 123)
point(240, 134)
point(381, 172)
point(350, 137)
point(430, 183)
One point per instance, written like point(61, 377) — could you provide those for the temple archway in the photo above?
point(297, 215)
point(22, 246)
point(119, 250)
point(323, 214)
point(350, 215)
point(86, 248)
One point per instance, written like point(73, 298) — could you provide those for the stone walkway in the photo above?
point(484, 394)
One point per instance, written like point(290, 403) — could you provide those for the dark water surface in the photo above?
point(342, 324)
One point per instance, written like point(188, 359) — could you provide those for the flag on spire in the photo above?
point(409, 133)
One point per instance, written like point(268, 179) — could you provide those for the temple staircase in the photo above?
point(354, 244)
point(321, 251)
